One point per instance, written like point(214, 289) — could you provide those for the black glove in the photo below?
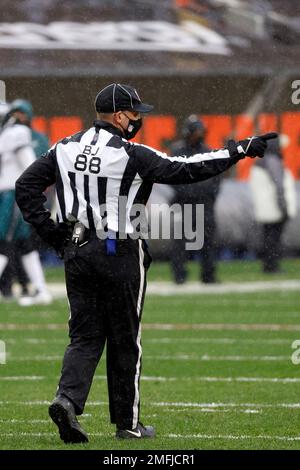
point(254, 146)
point(55, 235)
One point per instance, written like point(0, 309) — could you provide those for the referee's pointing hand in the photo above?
point(255, 146)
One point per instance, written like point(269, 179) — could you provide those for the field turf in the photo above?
point(217, 374)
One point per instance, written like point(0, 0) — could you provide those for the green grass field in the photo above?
point(217, 371)
point(228, 271)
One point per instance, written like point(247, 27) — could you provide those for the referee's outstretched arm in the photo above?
point(158, 167)
point(150, 164)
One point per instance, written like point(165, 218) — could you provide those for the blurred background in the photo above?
point(233, 63)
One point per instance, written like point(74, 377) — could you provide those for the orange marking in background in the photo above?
point(40, 124)
point(182, 3)
point(290, 125)
point(158, 131)
point(218, 128)
point(268, 122)
point(243, 125)
point(63, 126)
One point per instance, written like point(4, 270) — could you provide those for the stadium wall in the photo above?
point(65, 105)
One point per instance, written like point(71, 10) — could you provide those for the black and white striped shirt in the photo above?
point(93, 168)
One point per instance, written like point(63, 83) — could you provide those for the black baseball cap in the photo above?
point(117, 97)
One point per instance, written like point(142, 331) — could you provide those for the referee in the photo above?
point(106, 276)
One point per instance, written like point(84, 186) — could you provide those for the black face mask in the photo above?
point(133, 127)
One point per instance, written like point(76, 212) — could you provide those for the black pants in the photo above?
point(178, 253)
point(106, 295)
point(272, 250)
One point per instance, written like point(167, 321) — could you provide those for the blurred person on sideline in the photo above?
point(100, 179)
point(16, 155)
point(22, 110)
point(274, 199)
point(192, 142)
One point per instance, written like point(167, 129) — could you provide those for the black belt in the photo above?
point(81, 235)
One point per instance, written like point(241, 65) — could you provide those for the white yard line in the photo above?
point(173, 357)
point(163, 340)
point(169, 436)
point(280, 380)
point(165, 326)
point(33, 421)
point(24, 421)
point(147, 378)
point(33, 326)
point(27, 434)
point(22, 378)
point(206, 357)
point(25, 403)
point(222, 326)
point(167, 340)
point(37, 341)
point(166, 288)
point(215, 410)
point(43, 358)
point(44, 434)
point(231, 437)
point(192, 405)
point(166, 405)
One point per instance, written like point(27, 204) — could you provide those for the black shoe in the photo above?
point(62, 412)
point(139, 432)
